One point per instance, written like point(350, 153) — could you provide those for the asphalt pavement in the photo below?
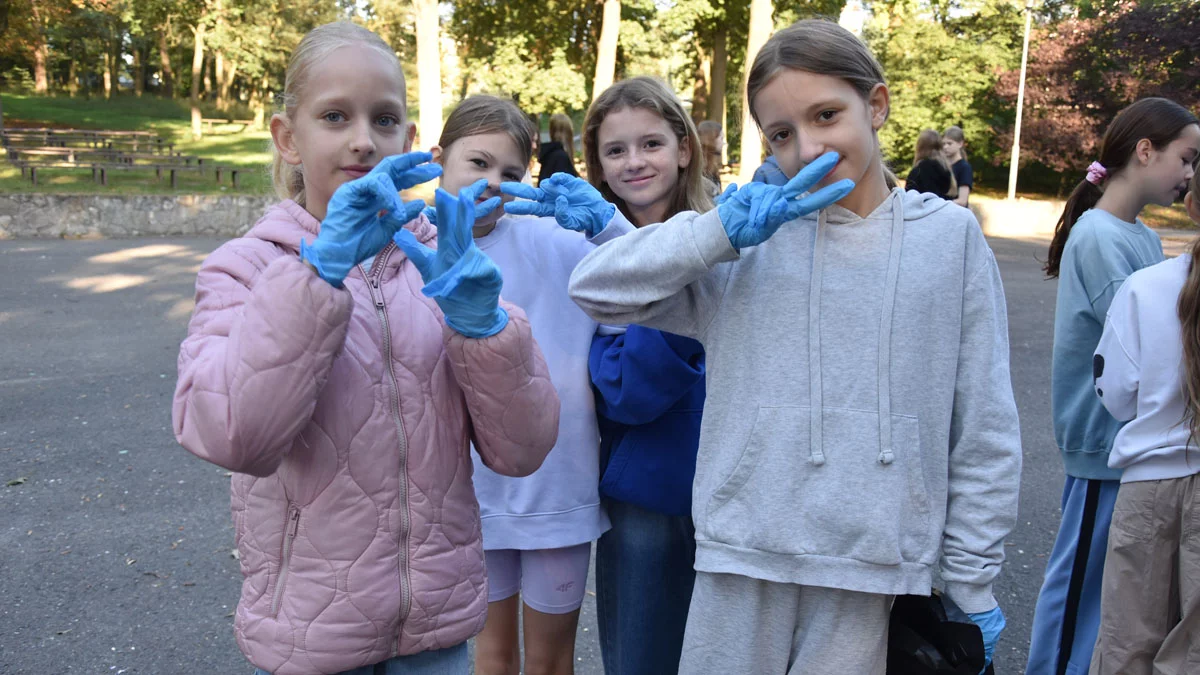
point(116, 546)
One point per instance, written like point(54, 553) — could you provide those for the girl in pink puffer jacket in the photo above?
point(343, 379)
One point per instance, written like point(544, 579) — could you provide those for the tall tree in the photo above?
point(41, 52)
point(606, 55)
point(198, 31)
point(429, 71)
point(760, 30)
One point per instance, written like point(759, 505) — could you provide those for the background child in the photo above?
point(558, 154)
point(1150, 611)
point(712, 144)
point(931, 173)
point(342, 400)
point(1099, 241)
point(860, 429)
point(537, 530)
point(953, 143)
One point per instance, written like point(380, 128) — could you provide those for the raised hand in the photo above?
point(752, 213)
point(353, 230)
point(573, 202)
point(463, 281)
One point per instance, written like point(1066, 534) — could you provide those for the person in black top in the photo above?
point(952, 146)
point(931, 172)
point(558, 154)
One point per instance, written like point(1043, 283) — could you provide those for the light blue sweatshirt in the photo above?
point(1101, 252)
point(860, 430)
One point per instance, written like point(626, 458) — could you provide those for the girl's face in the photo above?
point(1168, 171)
point(494, 156)
point(951, 147)
point(350, 116)
point(803, 115)
point(641, 159)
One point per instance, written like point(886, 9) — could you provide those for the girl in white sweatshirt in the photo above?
point(1147, 370)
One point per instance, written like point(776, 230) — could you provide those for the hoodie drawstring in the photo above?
point(885, 332)
point(815, 444)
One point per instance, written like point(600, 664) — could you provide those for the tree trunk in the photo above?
point(164, 58)
point(1, 115)
point(41, 53)
point(72, 78)
point(231, 68)
point(139, 71)
point(760, 30)
point(108, 75)
point(716, 97)
point(197, 65)
point(700, 84)
point(606, 54)
point(429, 72)
point(258, 100)
point(222, 89)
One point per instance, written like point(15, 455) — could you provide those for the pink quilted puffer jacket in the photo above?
point(347, 415)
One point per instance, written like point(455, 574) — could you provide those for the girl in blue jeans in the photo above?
point(641, 150)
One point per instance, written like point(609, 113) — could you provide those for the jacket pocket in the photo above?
point(291, 526)
point(776, 499)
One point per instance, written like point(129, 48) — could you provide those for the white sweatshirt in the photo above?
point(1139, 373)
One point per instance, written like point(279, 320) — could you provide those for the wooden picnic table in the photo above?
point(210, 121)
point(92, 138)
point(100, 169)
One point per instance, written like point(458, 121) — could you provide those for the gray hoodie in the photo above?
point(860, 430)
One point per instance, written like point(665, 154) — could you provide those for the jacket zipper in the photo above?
point(375, 275)
point(285, 558)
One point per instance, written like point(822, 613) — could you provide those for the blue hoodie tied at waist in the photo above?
point(649, 401)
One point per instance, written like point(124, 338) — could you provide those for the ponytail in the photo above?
point(1083, 198)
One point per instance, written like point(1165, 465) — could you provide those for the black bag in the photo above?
point(922, 641)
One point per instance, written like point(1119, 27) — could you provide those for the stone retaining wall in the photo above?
point(48, 215)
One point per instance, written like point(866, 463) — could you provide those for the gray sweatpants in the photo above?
point(745, 626)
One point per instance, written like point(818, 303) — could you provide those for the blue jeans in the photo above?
point(644, 576)
point(448, 661)
point(1066, 619)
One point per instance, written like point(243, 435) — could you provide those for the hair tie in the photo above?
point(1096, 173)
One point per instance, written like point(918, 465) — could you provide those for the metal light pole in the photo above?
point(1016, 146)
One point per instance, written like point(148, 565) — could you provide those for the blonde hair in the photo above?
point(709, 132)
point(822, 47)
point(563, 131)
point(316, 46)
point(647, 93)
point(483, 114)
point(929, 146)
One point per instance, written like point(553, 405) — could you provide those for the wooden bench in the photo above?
point(210, 121)
point(100, 169)
point(134, 140)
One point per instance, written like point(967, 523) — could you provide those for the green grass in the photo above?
point(227, 145)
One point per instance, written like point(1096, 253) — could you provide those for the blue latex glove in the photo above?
point(991, 624)
point(352, 230)
point(463, 281)
point(754, 212)
point(573, 202)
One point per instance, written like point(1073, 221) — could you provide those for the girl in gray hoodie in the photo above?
point(860, 439)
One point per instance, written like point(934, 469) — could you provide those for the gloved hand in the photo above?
point(573, 202)
point(352, 230)
point(991, 624)
point(753, 213)
point(463, 281)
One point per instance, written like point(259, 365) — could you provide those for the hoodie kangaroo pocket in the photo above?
point(853, 505)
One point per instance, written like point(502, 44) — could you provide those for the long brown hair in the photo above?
point(321, 41)
point(822, 47)
point(647, 93)
point(1189, 324)
point(1155, 119)
point(563, 131)
point(483, 114)
point(929, 146)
